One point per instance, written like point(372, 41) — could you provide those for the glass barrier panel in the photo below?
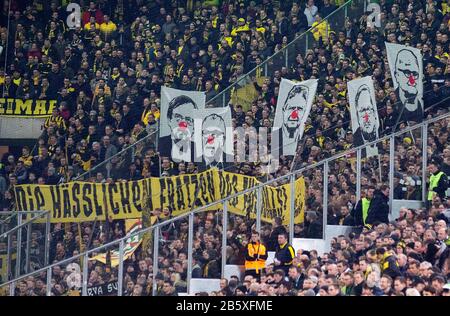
point(313, 222)
point(408, 164)
point(342, 186)
point(172, 258)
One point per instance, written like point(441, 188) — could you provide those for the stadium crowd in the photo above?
point(106, 76)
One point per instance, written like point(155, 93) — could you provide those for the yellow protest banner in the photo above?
point(84, 201)
point(26, 108)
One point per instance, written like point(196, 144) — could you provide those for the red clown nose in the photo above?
point(411, 80)
point(210, 139)
point(294, 115)
point(182, 125)
point(366, 117)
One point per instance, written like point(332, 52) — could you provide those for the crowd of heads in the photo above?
point(107, 75)
point(407, 257)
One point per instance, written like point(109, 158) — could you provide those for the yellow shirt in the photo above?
point(242, 28)
point(87, 26)
point(17, 81)
point(108, 27)
point(156, 114)
point(320, 30)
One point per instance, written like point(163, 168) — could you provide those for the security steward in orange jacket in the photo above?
point(255, 257)
point(284, 254)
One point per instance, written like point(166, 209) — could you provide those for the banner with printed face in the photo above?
point(80, 201)
point(406, 67)
point(26, 108)
point(179, 110)
point(214, 142)
point(293, 106)
point(363, 112)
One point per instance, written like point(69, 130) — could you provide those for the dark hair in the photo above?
point(304, 90)
point(387, 277)
point(361, 89)
point(278, 220)
point(280, 272)
point(380, 251)
point(430, 289)
point(176, 102)
point(406, 50)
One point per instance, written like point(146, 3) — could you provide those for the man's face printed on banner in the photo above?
point(213, 140)
point(365, 111)
point(407, 73)
point(294, 109)
point(181, 120)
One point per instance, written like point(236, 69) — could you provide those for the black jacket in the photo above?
point(389, 266)
point(285, 255)
point(298, 283)
point(348, 221)
point(378, 209)
point(272, 243)
point(314, 229)
point(442, 186)
point(356, 213)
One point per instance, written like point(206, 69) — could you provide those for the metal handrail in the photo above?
point(270, 58)
point(112, 243)
point(266, 61)
point(256, 187)
point(81, 176)
point(39, 215)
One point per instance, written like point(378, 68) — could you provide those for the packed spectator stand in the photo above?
point(107, 77)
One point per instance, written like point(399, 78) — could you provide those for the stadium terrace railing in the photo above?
point(83, 258)
point(125, 157)
point(120, 162)
point(352, 9)
point(16, 236)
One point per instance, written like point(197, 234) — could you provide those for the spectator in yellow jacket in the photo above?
point(321, 28)
point(241, 27)
point(108, 27)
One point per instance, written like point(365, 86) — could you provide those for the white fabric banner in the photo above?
point(215, 140)
point(406, 67)
point(363, 112)
point(179, 110)
point(293, 106)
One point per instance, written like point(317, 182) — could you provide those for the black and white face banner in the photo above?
point(406, 68)
point(215, 141)
point(364, 114)
point(293, 106)
point(179, 110)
